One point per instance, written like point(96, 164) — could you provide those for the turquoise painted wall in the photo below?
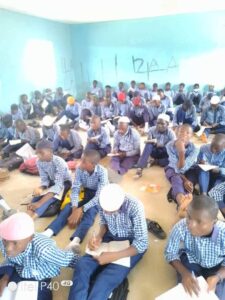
point(189, 48)
point(34, 54)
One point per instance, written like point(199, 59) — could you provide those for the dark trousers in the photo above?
point(183, 120)
point(123, 164)
point(218, 129)
point(11, 148)
point(44, 292)
point(86, 222)
point(155, 152)
point(200, 271)
point(207, 180)
point(139, 120)
point(68, 114)
point(102, 151)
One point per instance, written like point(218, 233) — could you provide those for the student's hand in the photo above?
point(38, 191)
point(202, 162)
point(159, 145)
point(122, 154)
point(75, 217)
point(212, 282)
point(94, 243)
point(106, 258)
point(180, 146)
point(190, 284)
point(34, 206)
point(3, 283)
point(188, 185)
point(216, 170)
point(214, 125)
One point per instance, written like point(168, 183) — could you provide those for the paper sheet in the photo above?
point(62, 121)
point(58, 196)
point(178, 293)
point(14, 142)
point(113, 246)
point(44, 104)
point(206, 167)
point(26, 152)
point(31, 109)
point(112, 154)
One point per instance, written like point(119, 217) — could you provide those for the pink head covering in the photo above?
point(17, 227)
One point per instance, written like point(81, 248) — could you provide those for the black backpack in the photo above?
point(121, 292)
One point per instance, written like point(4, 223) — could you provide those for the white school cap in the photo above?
point(48, 121)
point(124, 120)
point(111, 197)
point(215, 100)
point(164, 117)
point(156, 97)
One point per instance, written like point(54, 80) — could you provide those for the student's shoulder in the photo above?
point(181, 227)
point(41, 243)
point(101, 169)
point(58, 160)
point(221, 228)
point(133, 204)
point(204, 148)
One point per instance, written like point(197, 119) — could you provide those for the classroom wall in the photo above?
point(178, 48)
point(34, 54)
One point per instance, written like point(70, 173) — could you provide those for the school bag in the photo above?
point(121, 292)
point(11, 163)
point(29, 166)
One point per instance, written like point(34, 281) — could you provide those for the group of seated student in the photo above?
point(169, 120)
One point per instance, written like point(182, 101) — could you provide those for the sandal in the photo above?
point(138, 174)
point(156, 229)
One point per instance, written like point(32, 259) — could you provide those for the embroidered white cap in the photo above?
point(164, 117)
point(215, 100)
point(111, 197)
point(124, 120)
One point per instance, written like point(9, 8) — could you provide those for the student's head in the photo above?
point(95, 122)
point(89, 160)
point(161, 93)
point(23, 98)
point(218, 143)
point(184, 133)
point(167, 86)
point(181, 87)
point(156, 100)
point(59, 91)
point(120, 85)
point(187, 104)
point(155, 87)
point(196, 87)
point(107, 101)
point(141, 86)
point(202, 215)
point(123, 125)
point(108, 93)
point(95, 83)
point(16, 232)
point(20, 125)
point(70, 100)
point(37, 95)
point(211, 87)
point(108, 88)
point(64, 132)
point(95, 100)
point(88, 96)
point(215, 101)
point(209, 96)
point(7, 120)
point(162, 122)
point(122, 97)
point(137, 101)
point(133, 83)
point(111, 198)
point(44, 150)
point(14, 108)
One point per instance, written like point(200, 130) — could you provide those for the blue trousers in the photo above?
point(200, 271)
point(155, 152)
point(86, 222)
point(207, 180)
point(183, 120)
point(44, 292)
point(105, 278)
point(68, 114)
point(218, 129)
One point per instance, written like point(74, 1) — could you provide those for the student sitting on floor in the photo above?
point(59, 98)
point(180, 172)
point(30, 256)
point(154, 91)
point(139, 113)
point(90, 177)
point(16, 113)
point(158, 137)
point(130, 225)
point(212, 154)
point(49, 129)
point(155, 108)
point(205, 102)
point(195, 96)
point(218, 194)
point(97, 137)
point(132, 89)
point(196, 247)
point(86, 103)
point(186, 114)
point(123, 105)
point(213, 117)
point(72, 110)
point(96, 106)
point(37, 102)
point(210, 90)
point(168, 91)
point(119, 89)
point(126, 147)
point(96, 90)
point(143, 91)
point(67, 143)
point(7, 131)
point(26, 134)
point(180, 95)
point(167, 102)
point(54, 174)
point(25, 106)
point(108, 109)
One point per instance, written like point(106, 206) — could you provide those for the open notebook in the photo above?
point(206, 167)
point(24, 290)
point(178, 293)
point(113, 246)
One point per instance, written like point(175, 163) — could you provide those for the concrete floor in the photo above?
point(152, 276)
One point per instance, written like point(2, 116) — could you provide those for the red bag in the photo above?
point(29, 166)
point(73, 164)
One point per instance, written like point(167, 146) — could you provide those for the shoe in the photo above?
point(170, 196)
point(73, 246)
point(138, 174)
point(155, 229)
point(8, 213)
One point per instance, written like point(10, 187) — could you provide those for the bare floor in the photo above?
point(152, 275)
